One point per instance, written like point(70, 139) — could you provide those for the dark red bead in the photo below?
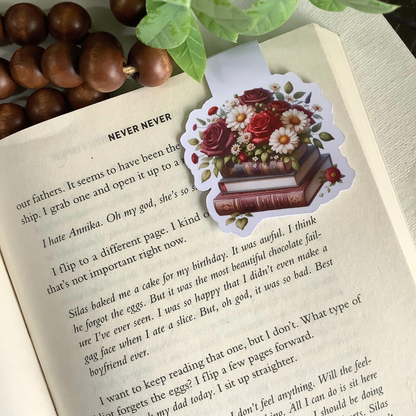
point(45, 104)
point(25, 24)
point(68, 22)
point(12, 119)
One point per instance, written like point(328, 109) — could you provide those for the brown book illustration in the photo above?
point(227, 203)
point(258, 183)
point(271, 167)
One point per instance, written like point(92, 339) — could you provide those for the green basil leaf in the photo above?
point(190, 56)
point(193, 142)
point(184, 3)
point(229, 221)
point(153, 4)
point(329, 5)
point(270, 14)
point(235, 215)
point(370, 6)
point(165, 27)
point(215, 27)
point(225, 14)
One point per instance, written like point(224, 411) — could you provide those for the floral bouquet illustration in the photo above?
point(268, 149)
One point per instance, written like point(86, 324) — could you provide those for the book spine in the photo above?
point(256, 203)
point(272, 167)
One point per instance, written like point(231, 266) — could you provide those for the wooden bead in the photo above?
point(25, 67)
point(45, 104)
point(153, 66)
point(68, 22)
point(128, 12)
point(1, 28)
point(12, 119)
point(85, 95)
point(7, 84)
point(101, 66)
point(101, 37)
point(25, 24)
point(60, 65)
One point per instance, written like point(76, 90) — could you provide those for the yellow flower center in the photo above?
point(295, 121)
point(241, 117)
point(284, 139)
point(333, 174)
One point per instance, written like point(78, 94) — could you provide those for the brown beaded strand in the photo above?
point(90, 73)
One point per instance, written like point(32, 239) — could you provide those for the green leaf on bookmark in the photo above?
point(326, 137)
point(241, 223)
point(206, 174)
point(270, 15)
point(229, 221)
point(318, 143)
point(225, 14)
point(190, 55)
point(329, 5)
point(298, 94)
point(288, 87)
point(279, 96)
point(165, 27)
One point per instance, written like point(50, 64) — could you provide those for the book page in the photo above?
point(23, 390)
point(137, 303)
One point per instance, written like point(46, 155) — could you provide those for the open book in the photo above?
point(132, 301)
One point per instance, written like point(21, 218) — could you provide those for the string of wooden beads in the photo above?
point(89, 72)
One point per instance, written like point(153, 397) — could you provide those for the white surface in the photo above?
point(383, 66)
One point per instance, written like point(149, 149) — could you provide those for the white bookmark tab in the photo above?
point(233, 69)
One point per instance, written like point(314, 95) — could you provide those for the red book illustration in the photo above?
point(258, 183)
point(271, 167)
point(227, 203)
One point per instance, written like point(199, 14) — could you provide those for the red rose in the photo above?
point(257, 95)
point(217, 139)
point(262, 125)
point(194, 158)
point(307, 112)
point(212, 111)
point(332, 175)
point(279, 106)
point(243, 157)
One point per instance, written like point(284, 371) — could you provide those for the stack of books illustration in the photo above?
point(253, 187)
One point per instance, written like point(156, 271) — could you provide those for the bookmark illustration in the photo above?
point(264, 145)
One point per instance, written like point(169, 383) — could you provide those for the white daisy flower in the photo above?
point(295, 120)
point(251, 147)
point(316, 107)
point(214, 119)
point(255, 159)
point(244, 138)
point(239, 117)
point(275, 87)
point(289, 99)
point(234, 102)
point(284, 140)
point(235, 149)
